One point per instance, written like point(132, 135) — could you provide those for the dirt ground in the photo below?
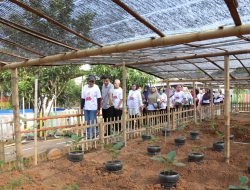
point(139, 171)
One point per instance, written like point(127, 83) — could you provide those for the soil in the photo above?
point(141, 173)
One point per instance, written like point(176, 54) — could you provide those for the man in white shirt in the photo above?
point(91, 104)
point(118, 102)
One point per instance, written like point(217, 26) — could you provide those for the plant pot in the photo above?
point(75, 156)
point(180, 141)
point(146, 137)
point(194, 135)
point(238, 188)
point(248, 167)
point(219, 146)
point(165, 132)
point(195, 157)
point(114, 165)
point(153, 150)
point(168, 179)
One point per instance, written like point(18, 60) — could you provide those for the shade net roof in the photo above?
point(111, 24)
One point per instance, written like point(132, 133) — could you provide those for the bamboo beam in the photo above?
point(16, 116)
point(20, 46)
point(13, 55)
point(219, 67)
point(168, 102)
point(138, 17)
point(210, 76)
point(49, 19)
point(195, 107)
point(34, 33)
point(232, 6)
point(196, 56)
point(227, 109)
point(35, 123)
point(207, 80)
point(139, 44)
point(242, 64)
point(211, 101)
point(124, 108)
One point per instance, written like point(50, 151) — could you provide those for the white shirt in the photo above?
point(134, 99)
point(91, 94)
point(200, 96)
point(117, 97)
point(179, 96)
point(164, 99)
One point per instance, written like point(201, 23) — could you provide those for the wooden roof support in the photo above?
point(13, 55)
point(242, 64)
point(138, 17)
point(196, 56)
point(210, 76)
point(49, 19)
point(219, 67)
point(232, 6)
point(20, 46)
point(135, 45)
point(208, 80)
point(34, 33)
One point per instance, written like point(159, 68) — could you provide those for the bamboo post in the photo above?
point(212, 102)
point(174, 119)
point(16, 116)
point(124, 86)
point(2, 155)
point(35, 122)
point(237, 99)
point(168, 101)
point(227, 107)
point(194, 100)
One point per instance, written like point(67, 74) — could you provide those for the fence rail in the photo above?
point(240, 107)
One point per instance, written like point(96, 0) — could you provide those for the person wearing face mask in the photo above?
point(91, 104)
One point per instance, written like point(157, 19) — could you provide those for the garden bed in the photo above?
point(139, 171)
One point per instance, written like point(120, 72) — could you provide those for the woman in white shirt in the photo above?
point(134, 102)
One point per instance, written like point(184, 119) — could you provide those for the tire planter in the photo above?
point(153, 150)
point(146, 137)
point(76, 156)
point(168, 179)
point(114, 165)
point(180, 141)
point(219, 146)
point(165, 132)
point(195, 157)
point(194, 135)
point(248, 167)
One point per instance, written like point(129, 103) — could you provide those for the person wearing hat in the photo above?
point(91, 104)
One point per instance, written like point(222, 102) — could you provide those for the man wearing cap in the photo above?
point(107, 101)
point(91, 104)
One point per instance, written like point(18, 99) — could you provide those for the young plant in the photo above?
point(75, 143)
point(114, 149)
point(213, 125)
point(220, 134)
point(154, 139)
point(71, 187)
point(168, 161)
point(181, 127)
point(147, 129)
point(243, 184)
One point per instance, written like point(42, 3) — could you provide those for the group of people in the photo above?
point(110, 99)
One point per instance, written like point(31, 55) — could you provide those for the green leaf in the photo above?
point(171, 156)
point(118, 145)
point(243, 180)
point(179, 164)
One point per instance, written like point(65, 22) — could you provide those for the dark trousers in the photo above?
point(118, 116)
point(108, 115)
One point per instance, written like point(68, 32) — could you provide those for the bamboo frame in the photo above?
point(195, 107)
point(124, 86)
point(15, 104)
point(168, 102)
point(35, 33)
point(138, 17)
point(35, 123)
point(139, 44)
point(49, 19)
point(13, 55)
point(227, 109)
point(233, 11)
